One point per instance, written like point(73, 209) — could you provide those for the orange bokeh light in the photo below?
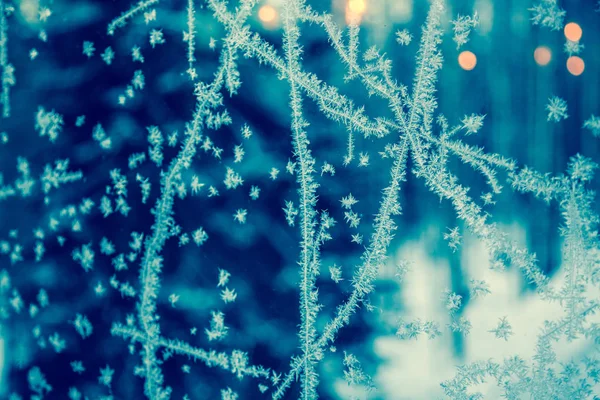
point(542, 55)
point(573, 32)
point(575, 65)
point(467, 60)
point(267, 14)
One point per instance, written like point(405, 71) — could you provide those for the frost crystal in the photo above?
point(48, 123)
point(593, 124)
point(557, 109)
point(403, 37)
point(462, 26)
point(548, 14)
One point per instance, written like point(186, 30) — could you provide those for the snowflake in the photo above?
point(335, 273)
point(357, 238)
point(572, 48)
point(472, 123)
point(150, 16)
point(173, 298)
point(223, 277)
point(452, 301)
point(453, 237)
point(136, 54)
point(548, 14)
point(228, 295)
point(403, 37)
point(593, 124)
point(246, 132)
point(557, 109)
point(88, 49)
point(108, 55)
point(156, 37)
point(200, 236)
point(462, 26)
point(503, 330)
point(240, 215)
point(238, 153)
point(363, 160)
point(254, 192)
point(106, 375)
point(44, 13)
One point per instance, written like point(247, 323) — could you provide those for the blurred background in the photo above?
point(507, 71)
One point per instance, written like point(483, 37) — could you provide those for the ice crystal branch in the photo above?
point(208, 99)
point(122, 20)
point(581, 250)
point(7, 70)
point(334, 105)
point(307, 196)
point(189, 37)
point(236, 362)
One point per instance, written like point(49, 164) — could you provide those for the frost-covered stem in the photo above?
point(152, 263)
point(152, 260)
point(7, 75)
point(307, 196)
point(122, 19)
point(375, 255)
point(321, 237)
point(580, 315)
point(579, 246)
point(350, 154)
point(210, 358)
point(191, 20)
point(574, 257)
point(423, 102)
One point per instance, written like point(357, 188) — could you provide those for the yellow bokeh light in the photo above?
point(467, 60)
point(575, 65)
point(573, 32)
point(357, 6)
point(542, 55)
point(267, 14)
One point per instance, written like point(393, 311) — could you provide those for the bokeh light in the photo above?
point(575, 65)
point(467, 60)
point(354, 11)
point(542, 55)
point(357, 6)
point(29, 10)
point(267, 14)
point(573, 32)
